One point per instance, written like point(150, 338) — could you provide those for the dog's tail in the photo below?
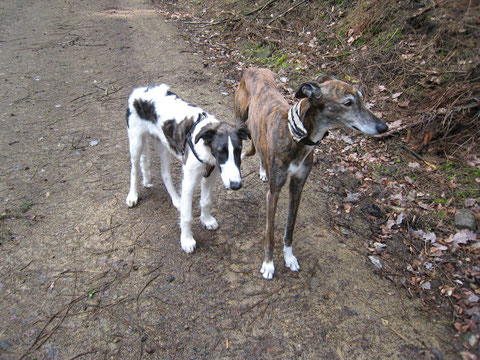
point(241, 104)
point(241, 101)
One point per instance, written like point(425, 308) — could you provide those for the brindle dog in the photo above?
point(285, 136)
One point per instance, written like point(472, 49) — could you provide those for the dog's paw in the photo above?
point(290, 260)
point(148, 184)
point(209, 222)
point(267, 270)
point(263, 175)
point(188, 244)
point(132, 199)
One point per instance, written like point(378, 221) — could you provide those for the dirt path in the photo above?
point(84, 277)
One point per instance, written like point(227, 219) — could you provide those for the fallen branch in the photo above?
point(286, 12)
point(260, 8)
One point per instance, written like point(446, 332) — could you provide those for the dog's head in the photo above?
point(340, 104)
point(225, 143)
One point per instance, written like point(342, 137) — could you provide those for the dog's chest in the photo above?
point(297, 165)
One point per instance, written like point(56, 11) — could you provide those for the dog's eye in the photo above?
point(348, 103)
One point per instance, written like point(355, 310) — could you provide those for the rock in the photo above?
point(465, 219)
point(149, 349)
point(4, 344)
point(51, 351)
point(376, 262)
point(373, 210)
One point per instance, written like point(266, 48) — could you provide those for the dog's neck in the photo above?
point(300, 130)
point(188, 141)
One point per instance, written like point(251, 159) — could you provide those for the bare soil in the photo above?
point(84, 277)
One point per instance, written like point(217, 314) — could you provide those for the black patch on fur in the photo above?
point(146, 110)
point(176, 134)
point(128, 115)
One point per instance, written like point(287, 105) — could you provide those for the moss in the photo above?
point(360, 41)
point(27, 205)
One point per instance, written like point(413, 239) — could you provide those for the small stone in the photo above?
point(4, 344)
point(465, 219)
point(426, 285)
point(374, 210)
point(376, 262)
point(473, 298)
point(379, 247)
point(144, 338)
point(170, 278)
point(149, 350)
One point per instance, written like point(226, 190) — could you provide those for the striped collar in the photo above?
point(296, 127)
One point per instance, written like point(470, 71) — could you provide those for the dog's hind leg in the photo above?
point(297, 181)
point(145, 163)
point(206, 202)
point(136, 143)
point(263, 172)
point(165, 159)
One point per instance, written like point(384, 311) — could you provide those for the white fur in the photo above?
point(139, 131)
point(290, 260)
point(267, 270)
point(230, 173)
point(263, 173)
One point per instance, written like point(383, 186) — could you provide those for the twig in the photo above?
point(418, 157)
point(260, 8)
point(261, 300)
point(286, 12)
point(83, 354)
point(146, 285)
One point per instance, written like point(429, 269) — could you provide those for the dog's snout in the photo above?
point(381, 127)
point(235, 185)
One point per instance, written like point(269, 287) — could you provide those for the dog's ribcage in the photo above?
point(162, 114)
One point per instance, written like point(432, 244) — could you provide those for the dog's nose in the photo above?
point(235, 185)
point(381, 127)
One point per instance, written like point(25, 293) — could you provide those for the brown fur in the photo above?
point(265, 111)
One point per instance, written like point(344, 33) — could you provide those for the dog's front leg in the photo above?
point(191, 178)
point(297, 181)
point(268, 268)
point(206, 202)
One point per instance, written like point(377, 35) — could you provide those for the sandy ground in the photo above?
point(84, 277)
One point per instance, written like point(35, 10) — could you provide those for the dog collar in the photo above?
point(209, 168)
point(296, 127)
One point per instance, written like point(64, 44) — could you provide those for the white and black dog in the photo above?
point(204, 144)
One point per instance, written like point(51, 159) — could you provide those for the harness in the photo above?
point(209, 168)
point(296, 127)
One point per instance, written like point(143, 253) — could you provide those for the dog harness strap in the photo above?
point(209, 168)
point(296, 127)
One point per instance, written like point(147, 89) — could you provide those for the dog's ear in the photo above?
point(309, 89)
point(324, 78)
point(207, 134)
point(243, 133)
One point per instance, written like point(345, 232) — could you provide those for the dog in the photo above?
point(206, 146)
point(285, 136)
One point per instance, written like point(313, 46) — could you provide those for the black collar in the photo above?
point(209, 168)
point(307, 141)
